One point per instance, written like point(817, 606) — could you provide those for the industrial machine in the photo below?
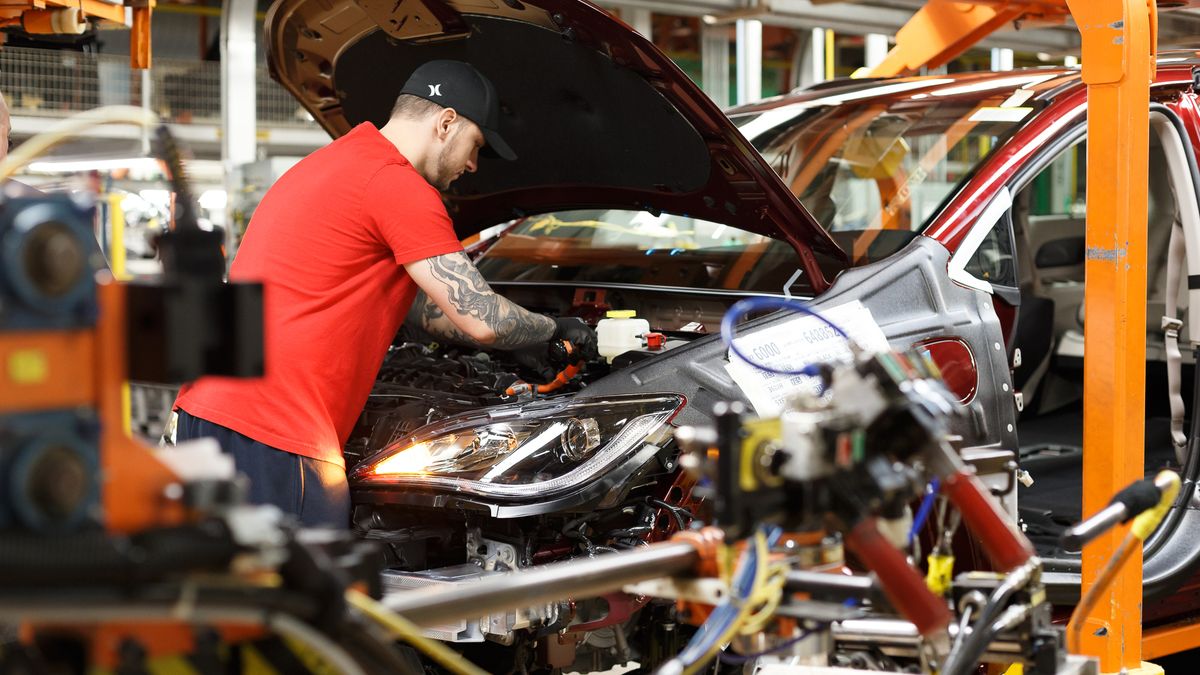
point(835, 474)
point(146, 543)
point(117, 557)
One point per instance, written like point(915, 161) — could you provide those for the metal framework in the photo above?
point(1119, 40)
point(239, 112)
point(70, 17)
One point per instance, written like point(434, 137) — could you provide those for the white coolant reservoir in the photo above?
point(619, 333)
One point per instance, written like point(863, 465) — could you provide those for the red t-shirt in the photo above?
point(329, 242)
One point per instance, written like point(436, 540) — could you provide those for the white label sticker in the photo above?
point(794, 344)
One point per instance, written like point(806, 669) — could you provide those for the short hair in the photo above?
point(414, 107)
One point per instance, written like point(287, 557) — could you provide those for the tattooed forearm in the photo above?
point(426, 316)
point(469, 294)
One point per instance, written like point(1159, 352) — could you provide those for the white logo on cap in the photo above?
point(435, 90)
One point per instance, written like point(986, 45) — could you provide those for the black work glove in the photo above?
point(536, 359)
point(547, 358)
point(581, 337)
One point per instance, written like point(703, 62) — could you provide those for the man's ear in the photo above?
point(445, 121)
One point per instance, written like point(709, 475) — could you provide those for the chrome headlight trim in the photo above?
point(656, 411)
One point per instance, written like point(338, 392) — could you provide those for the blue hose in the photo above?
point(744, 307)
point(924, 511)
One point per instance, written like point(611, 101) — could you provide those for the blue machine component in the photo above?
point(48, 261)
point(49, 471)
point(49, 460)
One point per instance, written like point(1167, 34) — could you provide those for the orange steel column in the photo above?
point(1118, 64)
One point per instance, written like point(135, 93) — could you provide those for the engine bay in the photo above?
point(422, 380)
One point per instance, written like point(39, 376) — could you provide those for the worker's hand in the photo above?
point(546, 359)
point(536, 359)
point(581, 337)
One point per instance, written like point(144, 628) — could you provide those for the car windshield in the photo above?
point(609, 246)
point(875, 170)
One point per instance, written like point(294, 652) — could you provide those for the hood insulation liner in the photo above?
point(587, 120)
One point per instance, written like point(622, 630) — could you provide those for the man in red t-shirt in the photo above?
point(343, 242)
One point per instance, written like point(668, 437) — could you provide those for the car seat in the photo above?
point(1162, 214)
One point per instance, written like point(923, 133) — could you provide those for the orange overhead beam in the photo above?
point(944, 29)
point(940, 31)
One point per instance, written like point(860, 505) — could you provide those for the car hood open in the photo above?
point(599, 117)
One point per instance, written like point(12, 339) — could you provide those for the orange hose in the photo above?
point(1084, 609)
point(560, 380)
point(563, 377)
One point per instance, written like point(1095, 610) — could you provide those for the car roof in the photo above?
point(1047, 83)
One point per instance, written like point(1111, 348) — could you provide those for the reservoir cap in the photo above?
point(620, 314)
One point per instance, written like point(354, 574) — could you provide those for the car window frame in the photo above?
point(1075, 134)
point(949, 198)
point(998, 211)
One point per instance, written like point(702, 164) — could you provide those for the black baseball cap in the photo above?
point(458, 85)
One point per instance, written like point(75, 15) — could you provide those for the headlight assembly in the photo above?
point(517, 451)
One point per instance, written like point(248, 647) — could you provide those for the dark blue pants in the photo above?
point(315, 491)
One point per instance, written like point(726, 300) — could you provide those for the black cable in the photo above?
point(185, 204)
point(187, 252)
point(963, 660)
point(635, 532)
point(577, 523)
point(28, 560)
point(673, 510)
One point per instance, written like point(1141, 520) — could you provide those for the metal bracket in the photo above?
point(705, 591)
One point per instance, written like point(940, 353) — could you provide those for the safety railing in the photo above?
point(54, 83)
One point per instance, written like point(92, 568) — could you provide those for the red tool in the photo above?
point(902, 585)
